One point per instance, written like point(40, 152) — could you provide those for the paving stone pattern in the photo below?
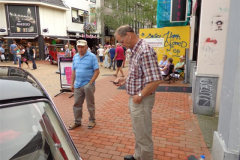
point(176, 133)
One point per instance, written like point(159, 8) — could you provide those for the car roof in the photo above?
point(16, 83)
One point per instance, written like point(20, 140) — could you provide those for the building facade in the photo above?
point(80, 14)
point(55, 22)
point(209, 25)
point(33, 21)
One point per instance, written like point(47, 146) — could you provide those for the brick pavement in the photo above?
point(176, 133)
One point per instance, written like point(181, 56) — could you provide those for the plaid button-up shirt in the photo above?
point(143, 68)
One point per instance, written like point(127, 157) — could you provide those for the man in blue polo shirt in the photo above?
point(13, 51)
point(85, 71)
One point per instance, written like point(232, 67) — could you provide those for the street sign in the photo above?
point(178, 10)
point(155, 42)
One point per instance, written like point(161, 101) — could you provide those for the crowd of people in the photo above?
point(165, 64)
point(21, 54)
point(112, 56)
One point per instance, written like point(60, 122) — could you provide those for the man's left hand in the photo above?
point(137, 99)
point(90, 82)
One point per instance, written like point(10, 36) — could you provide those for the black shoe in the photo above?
point(129, 157)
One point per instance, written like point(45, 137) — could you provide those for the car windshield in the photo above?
point(32, 132)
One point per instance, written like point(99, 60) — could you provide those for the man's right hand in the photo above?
point(120, 81)
point(72, 88)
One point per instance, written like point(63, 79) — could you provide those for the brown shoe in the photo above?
point(74, 126)
point(91, 124)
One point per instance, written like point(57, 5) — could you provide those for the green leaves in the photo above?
point(136, 13)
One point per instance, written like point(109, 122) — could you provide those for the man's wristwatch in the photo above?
point(140, 95)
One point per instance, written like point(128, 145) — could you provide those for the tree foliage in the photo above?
point(137, 13)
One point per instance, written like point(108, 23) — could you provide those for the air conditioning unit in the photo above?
point(45, 30)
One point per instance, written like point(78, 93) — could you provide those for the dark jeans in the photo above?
point(5, 57)
point(33, 62)
point(112, 63)
point(15, 58)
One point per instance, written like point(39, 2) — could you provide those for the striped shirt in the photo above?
point(143, 68)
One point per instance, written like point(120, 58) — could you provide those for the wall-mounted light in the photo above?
point(4, 30)
point(45, 30)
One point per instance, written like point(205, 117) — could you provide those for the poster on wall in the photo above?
point(176, 40)
point(219, 23)
point(155, 42)
point(22, 19)
point(65, 72)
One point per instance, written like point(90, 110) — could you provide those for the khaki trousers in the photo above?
point(141, 115)
point(80, 94)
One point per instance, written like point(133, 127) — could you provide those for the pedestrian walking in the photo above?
point(106, 55)
point(24, 57)
point(32, 53)
point(18, 48)
point(67, 52)
point(2, 53)
point(112, 55)
point(85, 71)
point(13, 51)
point(119, 56)
point(73, 51)
point(143, 79)
point(100, 52)
point(46, 51)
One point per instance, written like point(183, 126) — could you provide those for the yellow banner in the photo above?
point(176, 40)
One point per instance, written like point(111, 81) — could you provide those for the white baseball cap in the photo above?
point(81, 43)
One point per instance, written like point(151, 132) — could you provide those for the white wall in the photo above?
point(83, 5)
point(210, 55)
point(54, 20)
point(3, 22)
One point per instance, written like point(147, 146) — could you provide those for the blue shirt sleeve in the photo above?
point(95, 63)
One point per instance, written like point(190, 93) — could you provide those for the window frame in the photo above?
point(83, 19)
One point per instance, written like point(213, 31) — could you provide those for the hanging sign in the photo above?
point(178, 11)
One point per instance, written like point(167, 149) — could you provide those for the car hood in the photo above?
point(18, 87)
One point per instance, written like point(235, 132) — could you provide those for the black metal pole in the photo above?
point(85, 33)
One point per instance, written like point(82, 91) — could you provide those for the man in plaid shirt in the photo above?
point(143, 79)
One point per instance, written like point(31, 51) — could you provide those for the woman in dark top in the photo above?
point(24, 56)
point(165, 70)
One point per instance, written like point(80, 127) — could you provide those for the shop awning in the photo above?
point(67, 39)
point(21, 37)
